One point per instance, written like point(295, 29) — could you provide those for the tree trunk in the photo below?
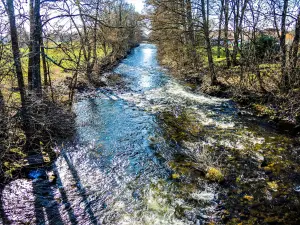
point(226, 20)
point(207, 40)
point(16, 50)
point(30, 58)
point(236, 13)
point(3, 122)
point(284, 72)
point(18, 67)
point(35, 45)
point(37, 81)
point(220, 29)
point(45, 68)
point(295, 45)
point(238, 22)
point(191, 39)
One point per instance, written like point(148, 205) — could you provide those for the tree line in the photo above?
point(246, 38)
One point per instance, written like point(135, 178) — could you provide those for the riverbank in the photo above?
point(281, 110)
point(258, 160)
point(57, 124)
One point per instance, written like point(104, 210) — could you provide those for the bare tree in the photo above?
point(220, 28)
point(205, 18)
point(285, 77)
point(295, 46)
point(239, 9)
point(34, 63)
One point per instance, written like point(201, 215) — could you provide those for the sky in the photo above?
point(138, 4)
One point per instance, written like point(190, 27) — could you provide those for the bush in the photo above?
point(264, 47)
point(50, 121)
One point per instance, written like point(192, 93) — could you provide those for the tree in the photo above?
point(16, 51)
point(205, 18)
point(220, 28)
point(239, 9)
point(285, 76)
point(34, 75)
point(295, 46)
point(226, 25)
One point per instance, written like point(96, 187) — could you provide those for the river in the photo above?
point(151, 151)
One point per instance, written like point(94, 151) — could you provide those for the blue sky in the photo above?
point(139, 4)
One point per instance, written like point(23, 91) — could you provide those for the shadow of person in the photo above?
point(46, 207)
point(64, 196)
point(81, 190)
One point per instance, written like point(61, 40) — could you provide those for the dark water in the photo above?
point(142, 155)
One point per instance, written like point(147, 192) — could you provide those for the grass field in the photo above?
point(62, 55)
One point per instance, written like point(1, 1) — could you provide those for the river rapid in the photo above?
point(151, 151)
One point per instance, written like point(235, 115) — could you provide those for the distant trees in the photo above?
point(110, 26)
point(242, 29)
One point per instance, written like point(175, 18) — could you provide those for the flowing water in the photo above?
point(152, 152)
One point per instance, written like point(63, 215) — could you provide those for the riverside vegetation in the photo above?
point(65, 48)
point(246, 50)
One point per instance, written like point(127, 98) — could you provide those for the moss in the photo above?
point(181, 168)
point(180, 127)
point(274, 219)
point(214, 174)
point(11, 167)
point(175, 176)
point(263, 110)
point(273, 185)
point(18, 151)
point(238, 180)
point(248, 198)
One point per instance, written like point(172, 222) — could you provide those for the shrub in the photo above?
point(265, 46)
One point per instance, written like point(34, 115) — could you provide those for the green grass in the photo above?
point(219, 61)
point(57, 73)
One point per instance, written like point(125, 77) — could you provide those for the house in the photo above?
point(289, 38)
point(215, 34)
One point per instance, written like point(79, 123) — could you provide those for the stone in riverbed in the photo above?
point(297, 189)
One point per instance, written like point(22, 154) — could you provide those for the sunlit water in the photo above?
point(121, 168)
